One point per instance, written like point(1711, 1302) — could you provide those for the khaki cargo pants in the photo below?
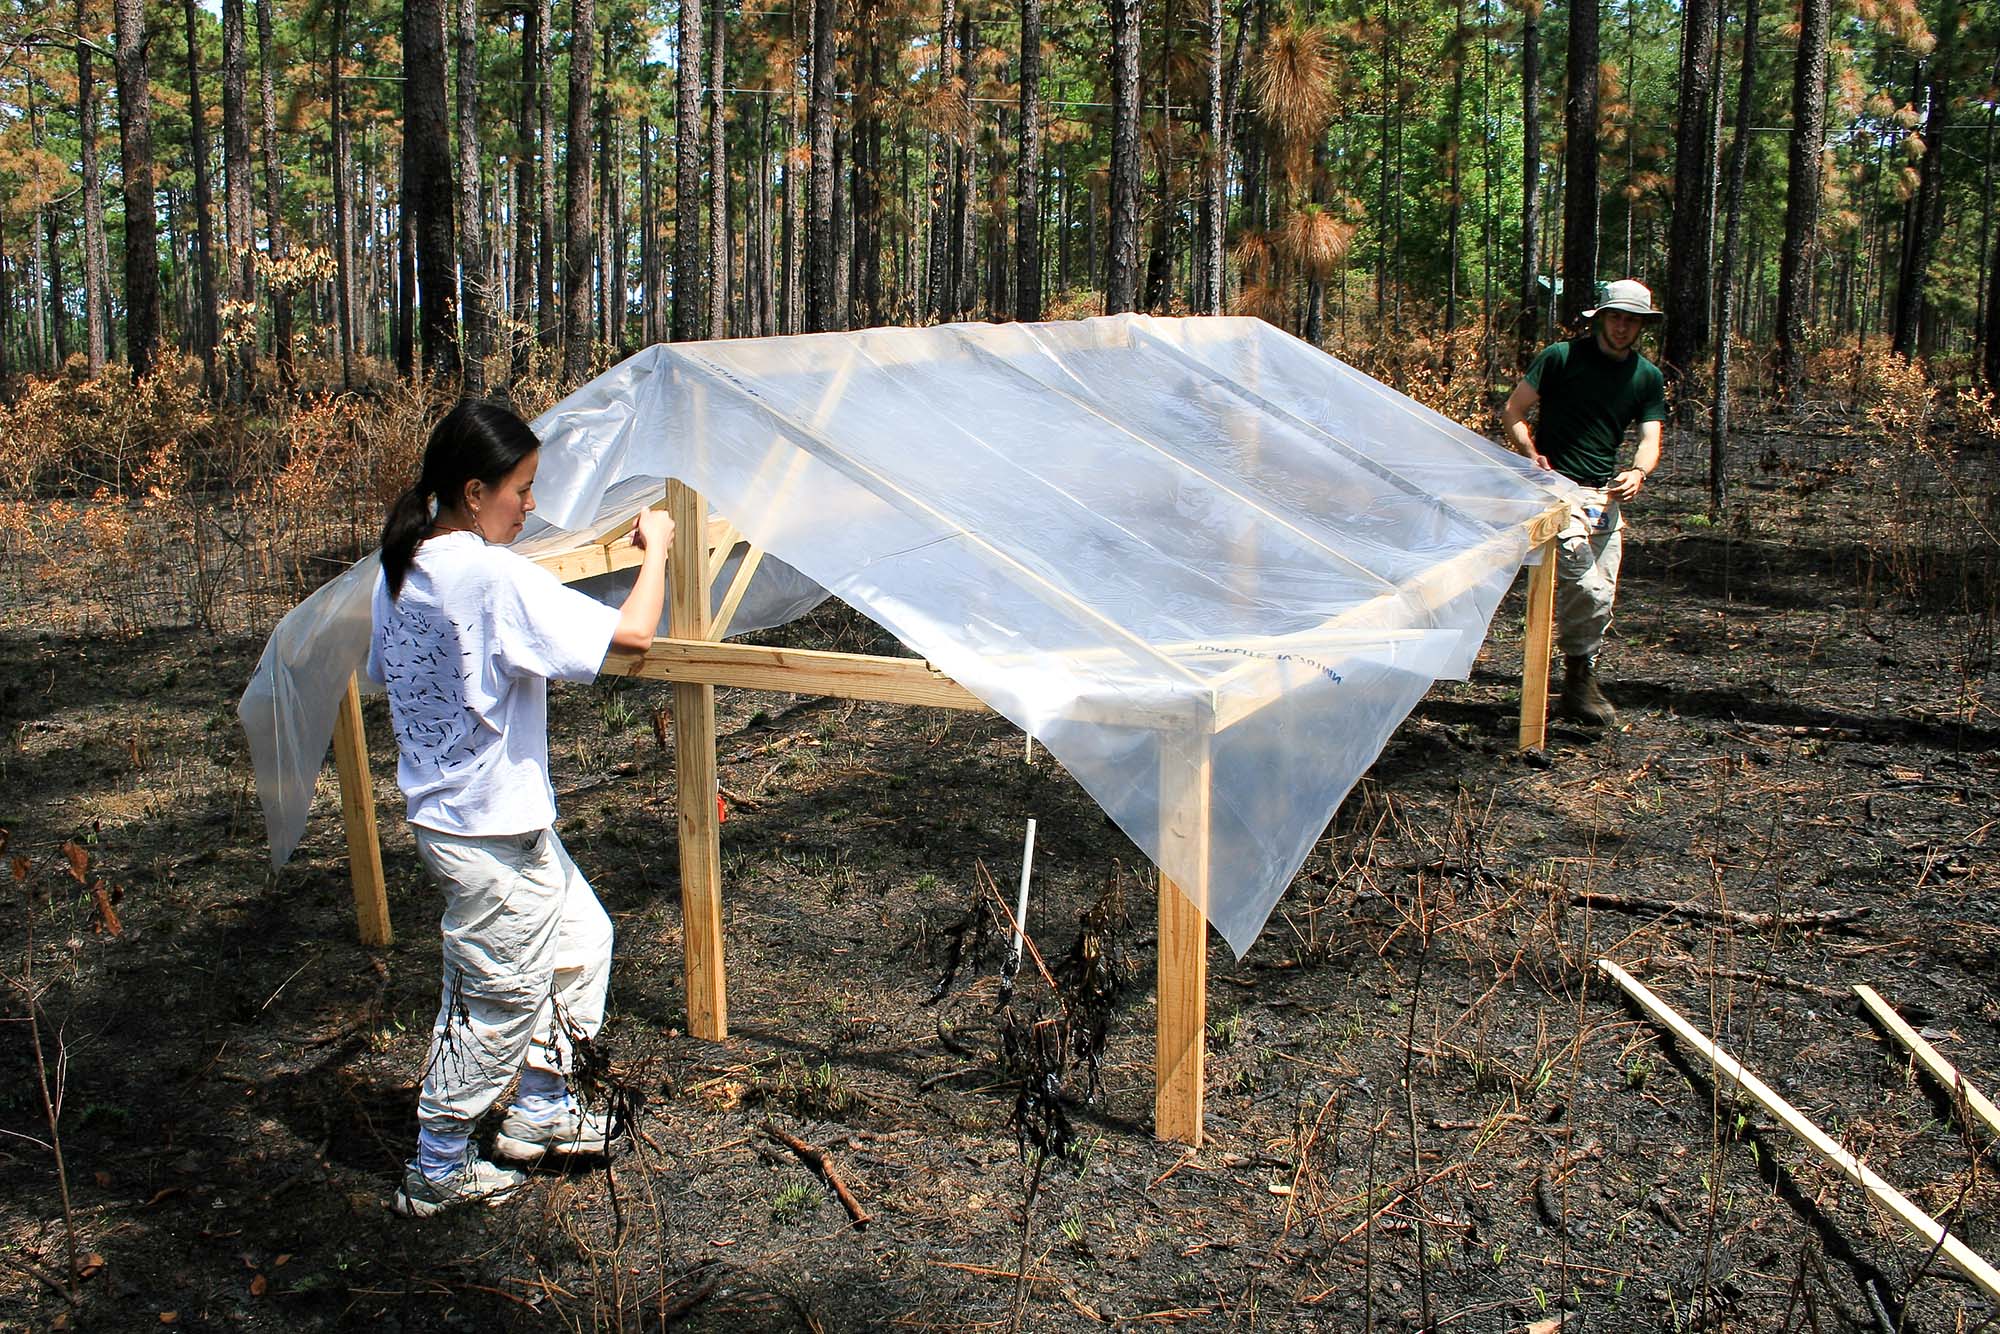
point(1587, 554)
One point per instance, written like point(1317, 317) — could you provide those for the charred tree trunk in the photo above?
point(820, 247)
point(1690, 239)
point(578, 247)
point(937, 268)
point(471, 216)
point(95, 280)
point(548, 325)
point(1028, 170)
point(1732, 239)
point(1214, 159)
point(428, 192)
point(964, 258)
point(204, 208)
point(1580, 165)
point(1121, 269)
point(242, 247)
point(1454, 181)
point(687, 175)
point(1926, 207)
point(1802, 190)
point(530, 157)
point(1529, 326)
point(718, 180)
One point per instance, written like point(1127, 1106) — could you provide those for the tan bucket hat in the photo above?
point(1629, 295)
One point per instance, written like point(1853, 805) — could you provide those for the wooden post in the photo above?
point(1535, 649)
point(695, 780)
point(357, 813)
point(1182, 1019)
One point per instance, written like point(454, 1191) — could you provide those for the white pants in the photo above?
point(527, 958)
point(1587, 554)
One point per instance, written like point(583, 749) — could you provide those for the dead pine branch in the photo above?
point(819, 1161)
point(1640, 906)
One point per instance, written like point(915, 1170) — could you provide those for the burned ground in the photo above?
point(1426, 1108)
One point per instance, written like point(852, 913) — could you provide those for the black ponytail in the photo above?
point(475, 441)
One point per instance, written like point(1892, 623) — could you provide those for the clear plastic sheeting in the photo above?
point(289, 707)
point(1208, 567)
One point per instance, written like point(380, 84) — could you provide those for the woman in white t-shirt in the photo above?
point(467, 635)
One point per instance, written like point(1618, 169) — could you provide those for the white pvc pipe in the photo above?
point(1021, 904)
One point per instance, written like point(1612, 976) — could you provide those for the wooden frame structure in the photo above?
point(693, 658)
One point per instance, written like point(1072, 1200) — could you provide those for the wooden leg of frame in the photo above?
point(701, 862)
point(357, 813)
point(1535, 649)
point(695, 781)
point(1182, 1016)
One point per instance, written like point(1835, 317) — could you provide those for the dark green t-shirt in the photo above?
point(1588, 403)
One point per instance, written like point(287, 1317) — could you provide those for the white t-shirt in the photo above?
point(466, 652)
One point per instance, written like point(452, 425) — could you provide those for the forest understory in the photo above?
point(1426, 1109)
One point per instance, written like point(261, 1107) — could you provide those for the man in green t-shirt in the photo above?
point(1590, 391)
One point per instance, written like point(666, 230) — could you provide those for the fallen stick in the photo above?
point(1968, 1261)
point(819, 1162)
point(1928, 1056)
point(1661, 908)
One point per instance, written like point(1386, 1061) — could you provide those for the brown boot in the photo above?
point(1583, 699)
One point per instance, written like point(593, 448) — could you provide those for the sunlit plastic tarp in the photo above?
point(1208, 567)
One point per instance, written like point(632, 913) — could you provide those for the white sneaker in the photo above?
point(573, 1133)
point(475, 1182)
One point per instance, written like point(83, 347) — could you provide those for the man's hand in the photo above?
point(1626, 485)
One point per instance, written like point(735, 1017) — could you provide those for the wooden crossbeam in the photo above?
point(797, 671)
point(725, 613)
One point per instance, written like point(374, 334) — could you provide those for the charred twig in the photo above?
point(820, 1162)
point(1697, 912)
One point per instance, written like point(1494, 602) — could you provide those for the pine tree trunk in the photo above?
point(242, 247)
point(718, 180)
point(548, 323)
point(820, 241)
point(1689, 239)
point(578, 245)
point(1121, 269)
point(937, 268)
point(867, 143)
point(1926, 207)
point(343, 208)
point(1732, 240)
point(1579, 291)
point(1028, 170)
point(1802, 193)
point(58, 301)
point(964, 243)
point(95, 280)
point(204, 207)
point(1454, 178)
point(471, 214)
point(1214, 159)
point(687, 174)
point(1528, 325)
point(428, 191)
point(528, 150)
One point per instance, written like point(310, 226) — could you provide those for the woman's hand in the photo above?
point(653, 530)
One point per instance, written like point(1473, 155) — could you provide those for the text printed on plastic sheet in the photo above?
point(1314, 663)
